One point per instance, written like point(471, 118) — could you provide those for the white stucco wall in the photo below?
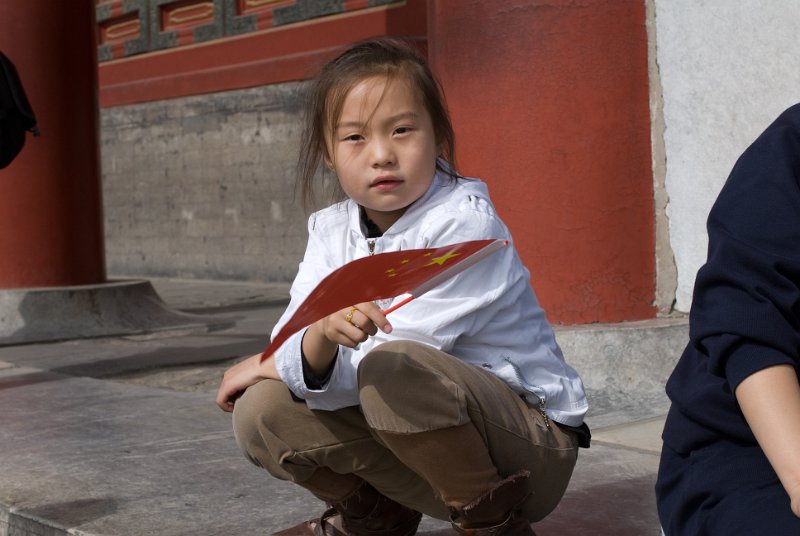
point(727, 69)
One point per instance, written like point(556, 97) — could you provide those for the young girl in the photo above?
point(459, 405)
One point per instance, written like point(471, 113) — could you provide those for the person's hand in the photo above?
point(347, 327)
point(241, 376)
point(794, 495)
point(770, 401)
point(353, 325)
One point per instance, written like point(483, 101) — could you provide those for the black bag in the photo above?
point(16, 115)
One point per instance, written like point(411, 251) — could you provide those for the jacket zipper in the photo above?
point(383, 304)
point(535, 390)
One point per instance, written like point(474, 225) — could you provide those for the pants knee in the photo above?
point(384, 362)
point(399, 390)
point(253, 413)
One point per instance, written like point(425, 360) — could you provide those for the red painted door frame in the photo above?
point(51, 225)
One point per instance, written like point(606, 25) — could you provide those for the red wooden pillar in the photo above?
point(550, 106)
point(51, 230)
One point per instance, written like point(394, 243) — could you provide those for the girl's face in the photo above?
point(383, 148)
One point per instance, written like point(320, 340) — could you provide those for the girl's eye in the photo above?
point(402, 130)
point(353, 137)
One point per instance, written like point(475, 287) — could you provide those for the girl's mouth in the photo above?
point(385, 183)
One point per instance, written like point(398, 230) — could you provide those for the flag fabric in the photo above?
point(384, 276)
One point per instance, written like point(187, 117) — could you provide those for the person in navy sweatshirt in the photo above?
point(730, 463)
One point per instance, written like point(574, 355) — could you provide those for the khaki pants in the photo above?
point(406, 388)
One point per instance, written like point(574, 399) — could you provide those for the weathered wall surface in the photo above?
point(557, 123)
point(202, 187)
point(727, 69)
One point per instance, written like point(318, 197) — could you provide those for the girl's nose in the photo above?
point(382, 153)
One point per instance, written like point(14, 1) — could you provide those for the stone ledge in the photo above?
point(119, 307)
point(625, 366)
point(19, 523)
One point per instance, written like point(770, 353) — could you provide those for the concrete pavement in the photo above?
point(120, 435)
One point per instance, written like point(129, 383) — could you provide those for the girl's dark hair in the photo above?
point(375, 57)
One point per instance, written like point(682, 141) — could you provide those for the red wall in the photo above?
point(550, 105)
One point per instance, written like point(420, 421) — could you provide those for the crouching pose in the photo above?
point(459, 405)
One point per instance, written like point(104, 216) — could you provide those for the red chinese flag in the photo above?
point(383, 276)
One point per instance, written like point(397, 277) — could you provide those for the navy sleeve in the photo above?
point(746, 304)
point(745, 313)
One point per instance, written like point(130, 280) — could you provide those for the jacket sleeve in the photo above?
point(314, 267)
point(746, 307)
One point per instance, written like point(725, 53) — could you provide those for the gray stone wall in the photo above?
point(726, 70)
point(203, 187)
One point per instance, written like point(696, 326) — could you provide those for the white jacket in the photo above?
point(487, 315)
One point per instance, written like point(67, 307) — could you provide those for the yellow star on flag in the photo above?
point(443, 259)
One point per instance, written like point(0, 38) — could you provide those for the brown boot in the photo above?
point(365, 512)
point(494, 512)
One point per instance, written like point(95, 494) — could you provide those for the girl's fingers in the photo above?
point(357, 323)
point(358, 332)
point(351, 337)
point(362, 322)
point(375, 315)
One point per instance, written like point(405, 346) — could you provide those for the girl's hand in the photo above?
point(241, 376)
point(353, 325)
point(348, 327)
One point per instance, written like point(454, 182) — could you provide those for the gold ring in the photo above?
point(349, 316)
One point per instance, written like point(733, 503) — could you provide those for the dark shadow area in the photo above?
point(232, 308)
point(622, 508)
point(175, 356)
point(76, 513)
point(32, 378)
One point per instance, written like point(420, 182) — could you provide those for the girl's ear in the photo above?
point(326, 154)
